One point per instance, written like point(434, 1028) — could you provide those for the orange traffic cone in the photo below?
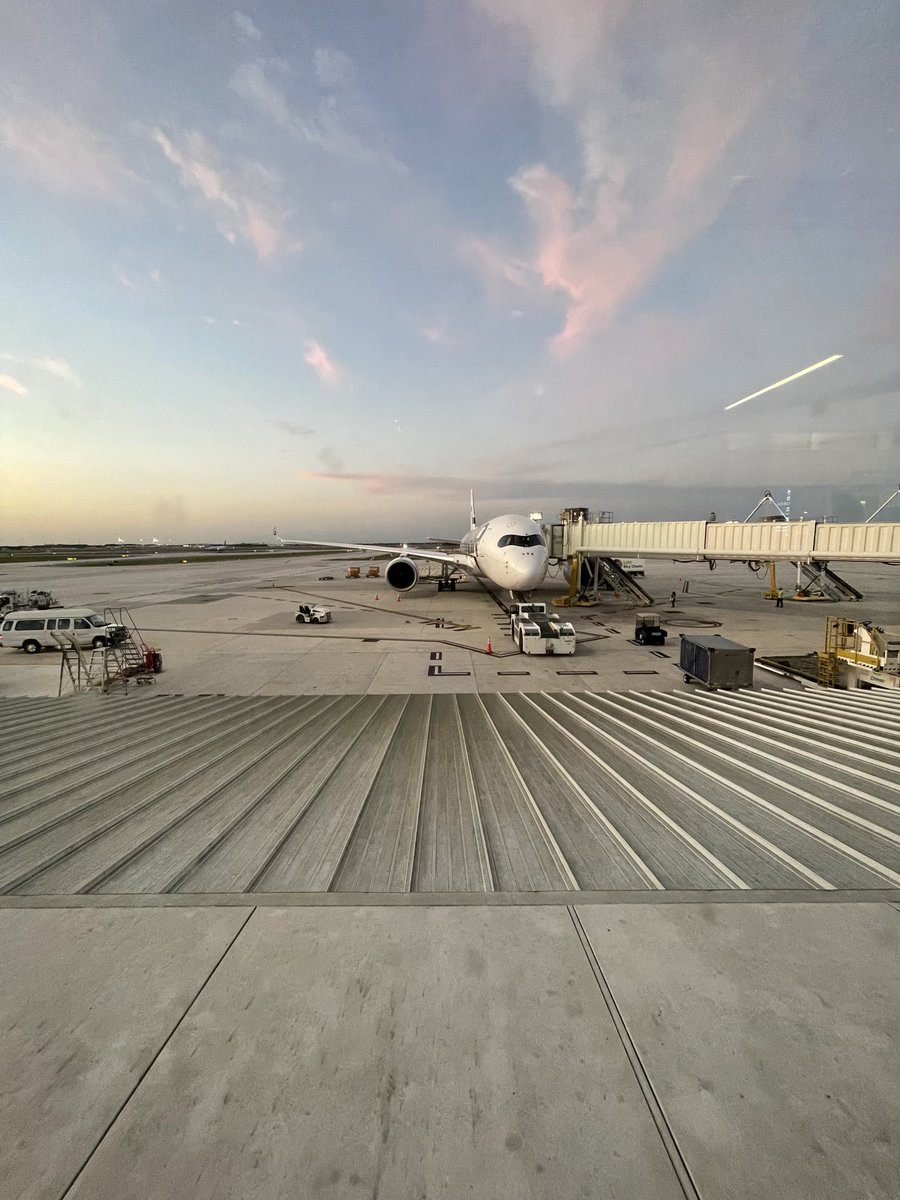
point(488, 649)
point(398, 599)
point(376, 595)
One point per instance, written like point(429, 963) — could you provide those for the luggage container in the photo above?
point(716, 661)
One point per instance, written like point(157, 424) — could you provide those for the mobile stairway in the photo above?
point(126, 658)
point(820, 576)
point(589, 574)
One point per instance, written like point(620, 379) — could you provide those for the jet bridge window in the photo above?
point(521, 539)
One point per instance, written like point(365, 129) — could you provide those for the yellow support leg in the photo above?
point(772, 593)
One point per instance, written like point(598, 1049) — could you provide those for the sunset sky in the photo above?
point(327, 265)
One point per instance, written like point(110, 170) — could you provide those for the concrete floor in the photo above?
point(598, 1051)
point(228, 628)
point(635, 1050)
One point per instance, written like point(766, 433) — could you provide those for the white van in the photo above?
point(33, 629)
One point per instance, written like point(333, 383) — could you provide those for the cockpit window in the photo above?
point(521, 539)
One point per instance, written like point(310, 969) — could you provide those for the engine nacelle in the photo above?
point(402, 574)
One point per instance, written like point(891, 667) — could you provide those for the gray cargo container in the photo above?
point(716, 661)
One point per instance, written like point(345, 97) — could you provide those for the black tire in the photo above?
point(99, 641)
point(452, 585)
point(31, 646)
point(301, 620)
point(687, 679)
point(521, 644)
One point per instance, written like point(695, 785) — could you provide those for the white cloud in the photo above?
point(61, 369)
point(329, 129)
point(13, 385)
point(123, 279)
point(245, 25)
point(334, 68)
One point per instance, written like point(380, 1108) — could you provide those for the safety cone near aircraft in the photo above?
point(488, 649)
point(376, 595)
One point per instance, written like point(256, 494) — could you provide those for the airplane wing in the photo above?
point(458, 559)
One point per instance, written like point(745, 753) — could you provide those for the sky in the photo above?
point(327, 265)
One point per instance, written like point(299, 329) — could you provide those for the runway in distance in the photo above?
point(508, 550)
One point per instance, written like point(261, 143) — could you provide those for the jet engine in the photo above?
point(402, 574)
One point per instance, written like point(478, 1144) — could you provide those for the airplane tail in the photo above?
point(472, 521)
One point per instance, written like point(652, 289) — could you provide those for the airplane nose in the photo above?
point(531, 571)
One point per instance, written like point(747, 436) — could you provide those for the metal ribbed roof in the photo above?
point(451, 793)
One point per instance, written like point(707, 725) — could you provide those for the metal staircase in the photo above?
point(86, 670)
point(126, 659)
point(134, 658)
point(832, 585)
point(589, 574)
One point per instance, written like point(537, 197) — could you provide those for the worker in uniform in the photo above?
point(672, 601)
point(779, 598)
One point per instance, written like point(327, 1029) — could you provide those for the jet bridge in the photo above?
point(803, 542)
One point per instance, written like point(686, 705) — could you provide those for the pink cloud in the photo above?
point(597, 266)
point(600, 253)
point(318, 358)
point(653, 172)
point(395, 484)
point(242, 201)
point(59, 151)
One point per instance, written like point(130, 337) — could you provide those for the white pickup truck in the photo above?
point(313, 614)
point(536, 631)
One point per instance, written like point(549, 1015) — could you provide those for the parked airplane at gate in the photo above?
point(508, 550)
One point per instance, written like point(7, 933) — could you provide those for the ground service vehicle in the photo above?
point(32, 630)
point(14, 600)
point(536, 631)
point(313, 614)
point(648, 630)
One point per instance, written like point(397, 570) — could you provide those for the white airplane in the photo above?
point(509, 550)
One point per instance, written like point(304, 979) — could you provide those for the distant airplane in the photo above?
point(508, 550)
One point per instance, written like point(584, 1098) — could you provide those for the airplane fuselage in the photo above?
point(508, 550)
